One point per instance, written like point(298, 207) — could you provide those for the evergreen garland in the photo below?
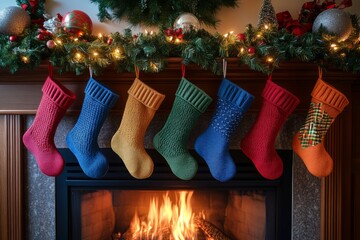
point(259, 48)
point(160, 12)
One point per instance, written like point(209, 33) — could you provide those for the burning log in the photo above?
point(210, 230)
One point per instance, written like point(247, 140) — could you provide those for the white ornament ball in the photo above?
point(334, 21)
point(14, 20)
point(187, 21)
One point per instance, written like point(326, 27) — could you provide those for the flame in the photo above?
point(174, 220)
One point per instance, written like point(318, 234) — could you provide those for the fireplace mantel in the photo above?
point(20, 94)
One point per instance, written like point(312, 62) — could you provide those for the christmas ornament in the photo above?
point(109, 41)
point(186, 21)
point(190, 102)
point(241, 36)
point(41, 37)
point(12, 38)
point(326, 104)
point(39, 138)
point(267, 15)
point(251, 50)
point(50, 44)
point(128, 141)
point(77, 22)
point(334, 21)
point(14, 20)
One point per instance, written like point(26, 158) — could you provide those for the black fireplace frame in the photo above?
point(279, 223)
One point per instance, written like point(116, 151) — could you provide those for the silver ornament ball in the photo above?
point(187, 21)
point(334, 21)
point(14, 20)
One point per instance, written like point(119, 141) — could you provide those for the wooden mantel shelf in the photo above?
point(20, 94)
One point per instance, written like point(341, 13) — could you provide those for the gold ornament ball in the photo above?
point(77, 22)
point(187, 21)
point(14, 20)
point(335, 21)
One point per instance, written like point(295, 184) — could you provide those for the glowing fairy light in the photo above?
point(78, 56)
point(25, 59)
point(270, 59)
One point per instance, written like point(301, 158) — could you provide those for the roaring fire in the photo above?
point(167, 220)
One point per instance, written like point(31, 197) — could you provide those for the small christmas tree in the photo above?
point(267, 15)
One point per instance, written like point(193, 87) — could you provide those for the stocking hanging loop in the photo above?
point(137, 71)
point(224, 67)
point(183, 69)
point(320, 72)
point(90, 71)
point(50, 69)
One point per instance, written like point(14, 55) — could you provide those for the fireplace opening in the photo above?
point(163, 207)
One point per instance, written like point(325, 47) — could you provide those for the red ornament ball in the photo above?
point(251, 50)
point(77, 22)
point(41, 37)
point(12, 38)
point(50, 44)
point(109, 41)
point(241, 36)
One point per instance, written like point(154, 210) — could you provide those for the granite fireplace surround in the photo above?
point(28, 211)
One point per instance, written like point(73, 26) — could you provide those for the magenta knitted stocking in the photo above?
point(39, 138)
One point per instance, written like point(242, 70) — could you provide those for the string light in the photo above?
point(154, 67)
point(334, 46)
point(95, 54)
point(78, 56)
point(177, 41)
point(76, 39)
point(117, 53)
point(270, 59)
point(58, 41)
point(100, 36)
point(266, 27)
point(25, 59)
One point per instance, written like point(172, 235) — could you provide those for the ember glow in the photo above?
point(166, 220)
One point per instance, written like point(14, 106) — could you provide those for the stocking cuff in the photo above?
point(193, 95)
point(146, 95)
point(58, 93)
point(280, 97)
point(100, 93)
point(327, 94)
point(235, 94)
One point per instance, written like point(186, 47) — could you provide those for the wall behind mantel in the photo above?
point(231, 19)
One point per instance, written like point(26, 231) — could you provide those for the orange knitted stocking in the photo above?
point(326, 104)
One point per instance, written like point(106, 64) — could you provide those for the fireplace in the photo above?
point(246, 207)
point(321, 209)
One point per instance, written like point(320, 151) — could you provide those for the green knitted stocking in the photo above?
point(171, 142)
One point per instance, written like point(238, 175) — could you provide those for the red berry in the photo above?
point(41, 37)
point(12, 38)
point(241, 36)
point(251, 50)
